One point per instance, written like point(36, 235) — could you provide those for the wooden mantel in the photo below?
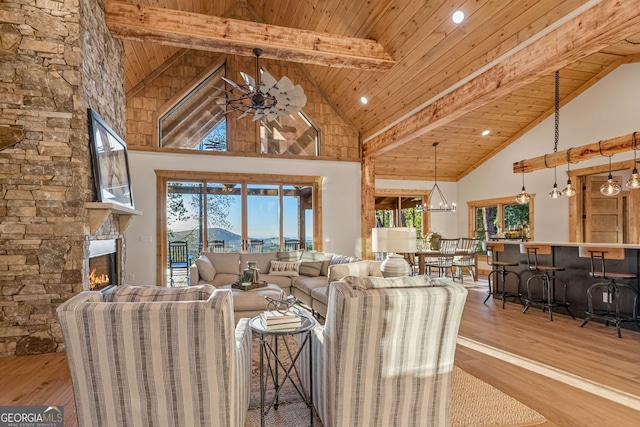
point(99, 212)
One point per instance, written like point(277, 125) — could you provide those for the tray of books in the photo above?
point(274, 320)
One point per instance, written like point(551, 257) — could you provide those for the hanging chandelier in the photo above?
point(442, 204)
point(569, 190)
point(266, 97)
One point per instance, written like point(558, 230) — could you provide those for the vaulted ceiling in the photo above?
point(426, 78)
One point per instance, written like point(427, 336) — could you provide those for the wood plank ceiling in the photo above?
point(432, 55)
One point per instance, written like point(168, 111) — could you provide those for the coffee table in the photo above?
point(269, 351)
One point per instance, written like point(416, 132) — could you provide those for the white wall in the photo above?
point(606, 110)
point(340, 200)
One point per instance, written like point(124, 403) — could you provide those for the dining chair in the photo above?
point(443, 261)
point(179, 259)
point(216, 245)
point(466, 253)
point(255, 245)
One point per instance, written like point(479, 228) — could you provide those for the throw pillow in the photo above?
point(311, 263)
point(390, 282)
point(284, 268)
point(342, 259)
point(289, 255)
point(206, 270)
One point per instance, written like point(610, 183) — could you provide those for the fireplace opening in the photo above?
point(103, 264)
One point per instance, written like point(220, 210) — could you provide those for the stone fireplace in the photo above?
point(57, 59)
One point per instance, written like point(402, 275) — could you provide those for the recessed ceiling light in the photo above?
point(458, 16)
point(364, 99)
point(486, 132)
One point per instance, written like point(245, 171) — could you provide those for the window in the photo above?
point(228, 213)
point(197, 121)
point(493, 217)
point(293, 134)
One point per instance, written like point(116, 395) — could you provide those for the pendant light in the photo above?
point(555, 193)
point(569, 190)
point(611, 187)
point(634, 181)
point(523, 197)
point(436, 193)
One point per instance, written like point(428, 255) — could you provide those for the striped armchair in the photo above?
point(148, 356)
point(385, 354)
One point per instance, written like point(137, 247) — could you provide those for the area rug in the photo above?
point(474, 403)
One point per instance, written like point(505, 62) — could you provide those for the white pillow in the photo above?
point(206, 270)
point(284, 268)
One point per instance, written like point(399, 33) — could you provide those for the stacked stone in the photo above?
point(45, 168)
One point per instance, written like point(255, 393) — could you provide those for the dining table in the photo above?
point(431, 253)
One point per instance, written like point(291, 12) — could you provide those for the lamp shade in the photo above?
point(395, 239)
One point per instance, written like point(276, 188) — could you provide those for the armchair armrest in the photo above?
point(243, 362)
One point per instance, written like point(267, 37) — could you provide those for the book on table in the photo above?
point(276, 320)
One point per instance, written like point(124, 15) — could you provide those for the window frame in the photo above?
point(500, 202)
point(164, 176)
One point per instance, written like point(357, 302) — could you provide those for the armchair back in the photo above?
point(142, 360)
point(385, 355)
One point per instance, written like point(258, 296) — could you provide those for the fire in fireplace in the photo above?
point(103, 264)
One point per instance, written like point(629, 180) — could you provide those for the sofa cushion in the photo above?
point(284, 268)
point(306, 283)
point(128, 293)
point(262, 260)
point(228, 263)
point(206, 270)
point(389, 282)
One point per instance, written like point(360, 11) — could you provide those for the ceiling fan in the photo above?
point(267, 98)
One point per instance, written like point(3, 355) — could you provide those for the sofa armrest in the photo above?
point(243, 363)
point(194, 275)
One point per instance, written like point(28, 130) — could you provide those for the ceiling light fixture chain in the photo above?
point(555, 193)
point(264, 97)
point(443, 205)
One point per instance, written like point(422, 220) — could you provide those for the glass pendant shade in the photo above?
point(523, 197)
point(634, 181)
point(610, 188)
point(569, 190)
point(555, 193)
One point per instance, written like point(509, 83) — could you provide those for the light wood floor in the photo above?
point(592, 355)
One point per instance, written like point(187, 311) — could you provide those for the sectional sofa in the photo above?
point(303, 274)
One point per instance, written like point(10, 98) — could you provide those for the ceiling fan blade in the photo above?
point(259, 114)
point(284, 85)
point(232, 83)
point(249, 80)
point(244, 114)
point(268, 81)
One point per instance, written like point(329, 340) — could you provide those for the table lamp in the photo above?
point(394, 241)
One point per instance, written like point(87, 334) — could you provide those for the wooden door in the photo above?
point(604, 215)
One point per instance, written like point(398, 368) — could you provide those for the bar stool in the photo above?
point(546, 275)
point(611, 290)
point(500, 273)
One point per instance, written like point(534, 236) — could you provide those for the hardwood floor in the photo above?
point(529, 358)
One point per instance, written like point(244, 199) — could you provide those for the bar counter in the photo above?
point(576, 273)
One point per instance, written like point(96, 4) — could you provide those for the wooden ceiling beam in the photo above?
point(233, 36)
point(595, 29)
point(605, 148)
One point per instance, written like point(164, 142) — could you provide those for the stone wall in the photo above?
point(53, 66)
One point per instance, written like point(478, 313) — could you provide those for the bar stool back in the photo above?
point(547, 278)
point(500, 273)
point(614, 291)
